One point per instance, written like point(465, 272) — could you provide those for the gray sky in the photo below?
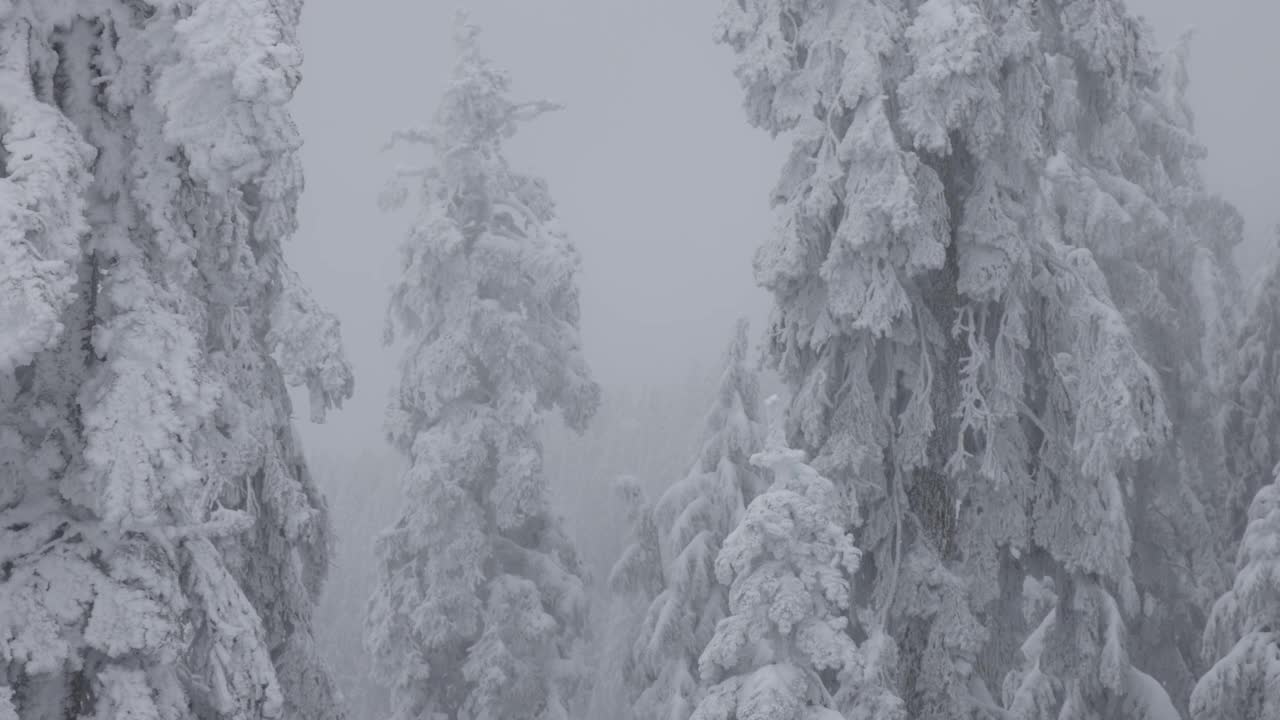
point(659, 180)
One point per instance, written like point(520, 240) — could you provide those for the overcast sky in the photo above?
point(659, 180)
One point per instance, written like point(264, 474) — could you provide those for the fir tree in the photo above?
point(648, 431)
point(988, 233)
point(635, 580)
point(1243, 677)
point(691, 520)
point(480, 605)
point(1253, 415)
point(1244, 682)
point(146, 453)
point(1175, 283)
point(787, 566)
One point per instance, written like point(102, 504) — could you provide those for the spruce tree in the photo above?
point(480, 607)
point(787, 566)
point(690, 521)
point(1252, 430)
point(990, 228)
point(1241, 640)
point(147, 460)
point(1241, 652)
point(634, 581)
point(1175, 283)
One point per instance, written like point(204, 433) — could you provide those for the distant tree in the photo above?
point(1174, 281)
point(1241, 641)
point(787, 565)
point(161, 543)
point(480, 608)
point(992, 238)
point(646, 430)
point(1243, 677)
point(690, 521)
point(1252, 429)
point(636, 579)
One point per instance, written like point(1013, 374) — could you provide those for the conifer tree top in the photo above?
point(480, 604)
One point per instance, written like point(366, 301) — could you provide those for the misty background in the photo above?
point(662, 186)
point(660, 182)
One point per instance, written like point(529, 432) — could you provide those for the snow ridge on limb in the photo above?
point(480, 606)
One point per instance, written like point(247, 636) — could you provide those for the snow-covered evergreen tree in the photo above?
point(634, 581)
point(1173, 279)
point(148, 470)
point(785, 637)
point(1252, 430)
point(691, 520)
point(1243, 678)
point(282, 561)
point(990, 229)
point(1241, 640)
point(480, 605)
point(647, 430)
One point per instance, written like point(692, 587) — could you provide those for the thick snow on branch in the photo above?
point(43, 177)
point(309, 341)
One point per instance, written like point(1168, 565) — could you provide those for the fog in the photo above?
point(1013, 450)
point(663, 187)
point(660, 181)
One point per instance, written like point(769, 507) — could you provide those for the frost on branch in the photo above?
point(236, 65)
point(228, 648)
point(309, 341)
point(144, 402)
point(45, 174)
point(69, 604)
